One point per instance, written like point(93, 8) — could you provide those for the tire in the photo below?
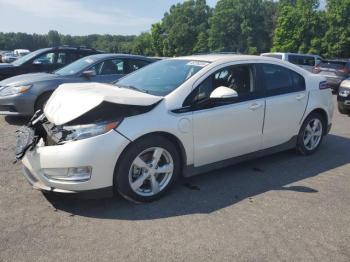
point(343, 110)
point(305, 144)
point(41, 102)
point(127, 172)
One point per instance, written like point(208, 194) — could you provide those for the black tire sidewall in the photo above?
point(121, 173)
point(300, 141)
point(41, 101)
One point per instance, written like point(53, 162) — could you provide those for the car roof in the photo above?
point(282, 53)
point(113, 55)
point(225, 58)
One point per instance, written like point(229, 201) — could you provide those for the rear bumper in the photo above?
point(22, 104)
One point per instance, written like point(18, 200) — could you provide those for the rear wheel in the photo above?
point(147, 169)
point(311, 134)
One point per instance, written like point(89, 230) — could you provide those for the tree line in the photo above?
point(243, 26)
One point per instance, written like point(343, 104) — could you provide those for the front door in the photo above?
point(231, 127)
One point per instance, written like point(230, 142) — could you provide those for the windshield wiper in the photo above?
point(133, 88)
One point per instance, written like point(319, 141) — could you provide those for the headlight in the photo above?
point(13, 90)
point(344, 92)
point(85, 131)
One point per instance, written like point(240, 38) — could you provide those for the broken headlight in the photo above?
point(79, 132)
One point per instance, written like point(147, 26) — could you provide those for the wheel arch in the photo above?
point(320, 111)
point(48, 92)
point(171, 137)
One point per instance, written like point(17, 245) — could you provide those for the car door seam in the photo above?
point(307, 103)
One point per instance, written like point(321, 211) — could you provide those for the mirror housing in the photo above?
point(88, 73)
point(223, 92)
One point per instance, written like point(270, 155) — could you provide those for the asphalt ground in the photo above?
point(282, 207)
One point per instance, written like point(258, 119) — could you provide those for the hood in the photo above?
point(28, 79)
point(71, 101)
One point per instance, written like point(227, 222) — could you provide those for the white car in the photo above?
point(306, 61)
point(180, 116)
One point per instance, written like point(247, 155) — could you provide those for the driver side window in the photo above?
point(240, 78)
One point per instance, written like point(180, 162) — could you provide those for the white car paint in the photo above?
point(207, 136)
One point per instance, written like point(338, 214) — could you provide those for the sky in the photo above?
point(82, 17)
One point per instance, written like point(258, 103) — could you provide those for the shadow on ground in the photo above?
point(17, 120)
point(212, 191)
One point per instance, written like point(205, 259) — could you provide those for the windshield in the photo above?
point(162, 77)
point(75, 67)
point(26, 58)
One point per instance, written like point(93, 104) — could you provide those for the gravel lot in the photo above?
point(278, 208)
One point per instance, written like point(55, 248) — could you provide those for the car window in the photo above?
point(109, 67)
point(280, 80)
point(240, 78)
point(332, 64)
point(47, 58)
point(65, 58)
point(302, 60)
point(135, 64)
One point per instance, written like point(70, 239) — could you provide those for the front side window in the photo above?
point(45, 59)
point(240, 78)
point(162, 77)
point(280, 80)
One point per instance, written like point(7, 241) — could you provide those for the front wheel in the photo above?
point(343, 110)
point(311, 134)
point(147, 169)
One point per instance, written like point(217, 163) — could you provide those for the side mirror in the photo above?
point(88, 73)
point(223, 92)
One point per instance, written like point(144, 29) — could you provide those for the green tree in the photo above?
point(142, 45)
point(299, 27)
point(337, 38)
point(53, 38)
point(241, 26)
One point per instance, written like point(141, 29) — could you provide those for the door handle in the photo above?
point(255, 106)
point(299, 97)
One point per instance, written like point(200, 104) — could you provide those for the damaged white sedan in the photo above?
point(180, 116)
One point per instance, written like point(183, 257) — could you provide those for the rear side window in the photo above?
point(281, 80)
point(135, 64)
point(302, 60)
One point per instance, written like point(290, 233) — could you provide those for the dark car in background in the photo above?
point(45, 60)
point(335, 71)
point(25, 94)
point(343, 97)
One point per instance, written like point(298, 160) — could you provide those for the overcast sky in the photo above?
point(81, 17)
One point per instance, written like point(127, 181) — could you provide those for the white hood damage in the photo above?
point(70, 101)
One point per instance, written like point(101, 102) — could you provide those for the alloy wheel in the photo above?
point(313, 134)
point(151, 171)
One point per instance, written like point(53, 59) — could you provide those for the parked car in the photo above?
point(335, 71)
point(179, 116)
point(305, 61)
point(3, 52)
point(44, 60)
point(25, 94)
point(9, 57)
point(21, 52)
point(344, 97)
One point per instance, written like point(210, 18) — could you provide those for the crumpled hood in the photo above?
point(27, 79)
point(70, 101)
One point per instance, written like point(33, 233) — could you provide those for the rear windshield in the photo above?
point(333, 64)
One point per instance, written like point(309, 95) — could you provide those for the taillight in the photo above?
point(324, 85)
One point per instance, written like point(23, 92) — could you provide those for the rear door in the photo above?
point(286, 100)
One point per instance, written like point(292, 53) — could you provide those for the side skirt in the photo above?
point(191, 170)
